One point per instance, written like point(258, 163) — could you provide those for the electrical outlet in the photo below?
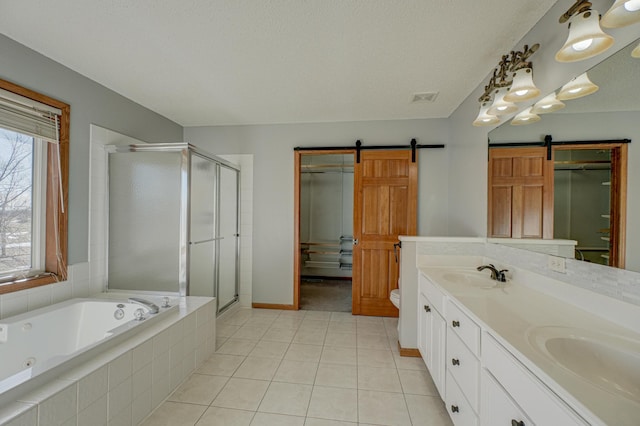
point(557, 264)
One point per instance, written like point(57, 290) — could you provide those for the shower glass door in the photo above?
point(202, 236)
point(227, 237)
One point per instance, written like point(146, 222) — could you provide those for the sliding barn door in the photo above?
point(520, 193)
point(385, 206)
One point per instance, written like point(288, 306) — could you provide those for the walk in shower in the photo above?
point(173, 222)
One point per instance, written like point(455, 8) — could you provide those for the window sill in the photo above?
point(27, 283)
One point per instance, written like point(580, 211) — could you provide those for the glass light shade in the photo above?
point(525, 117)
point(621, 14)
point(485, 119)
point(500, 106)
point(577, 88)
point(522, 88)
point(636, 52)
point(547, 104)
point(585, 40)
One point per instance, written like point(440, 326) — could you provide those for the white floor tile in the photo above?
point(379, 379)
point(296, 372)
point(257, 368)
point(286, 398)
point(427, 410)
point(300, 352)
point(199, 389)
point(243, 394)
point(337, 375)
point(266, 419)
point(217, 416)
point(382, 408)
point(334, 404)
point(338, 355)
point(221, 365)
point(175, 414)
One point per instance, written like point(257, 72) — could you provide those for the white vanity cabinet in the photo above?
point(463, 366)
point(527, 395)
point(432, 331)
point(481, 382)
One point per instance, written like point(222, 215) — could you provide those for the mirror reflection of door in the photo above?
point(580, 196)
point(590, 201)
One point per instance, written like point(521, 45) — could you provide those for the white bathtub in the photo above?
point(37, 341)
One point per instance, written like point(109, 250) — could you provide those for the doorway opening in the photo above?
point(590, 201)
point(325, 230)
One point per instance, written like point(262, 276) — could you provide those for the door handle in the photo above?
point(355, 242)
point(396, 246)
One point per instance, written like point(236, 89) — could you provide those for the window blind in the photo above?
point(30, 117)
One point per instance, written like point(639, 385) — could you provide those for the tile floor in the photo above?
point(307, 368)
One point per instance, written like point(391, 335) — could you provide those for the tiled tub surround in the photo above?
point(121, 382)
point(35, 342)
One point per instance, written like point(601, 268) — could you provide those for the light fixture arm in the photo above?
point(578, 7)
point(503, 73)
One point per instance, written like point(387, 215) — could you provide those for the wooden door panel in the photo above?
point(398, 210)
point(532, 208)
point(500, 211)
point(520, 193)
point(385, 206)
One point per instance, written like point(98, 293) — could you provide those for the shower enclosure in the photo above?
point(173, 221)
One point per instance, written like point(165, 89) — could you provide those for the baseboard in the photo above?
point(273, 306)
point(409, 351)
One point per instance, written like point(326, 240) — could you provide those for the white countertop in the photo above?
point(516, 313)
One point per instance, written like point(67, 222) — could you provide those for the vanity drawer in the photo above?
point(497, 406)
point(464, 327)
point(541, 405)
point(464, 367)
point(433, 293)
point(457, 406)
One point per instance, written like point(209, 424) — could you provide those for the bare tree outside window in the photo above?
point(16, 182)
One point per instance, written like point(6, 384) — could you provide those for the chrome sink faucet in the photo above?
point(495, 274)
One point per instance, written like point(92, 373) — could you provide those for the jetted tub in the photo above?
point(36, 341)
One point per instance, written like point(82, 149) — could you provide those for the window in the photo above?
point(34, 145)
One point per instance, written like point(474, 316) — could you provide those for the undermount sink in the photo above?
point(609, 362)
point(473, 278)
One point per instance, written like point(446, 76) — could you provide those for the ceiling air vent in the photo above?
point(424, 97)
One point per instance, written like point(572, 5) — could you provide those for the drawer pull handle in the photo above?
point(514, 422)
point(455, 361)
point(427, 308)
point(455, 323)
point(455, 409)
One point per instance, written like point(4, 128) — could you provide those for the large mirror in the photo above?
point(611, 113)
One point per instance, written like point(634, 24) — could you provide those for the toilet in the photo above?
point(395, 297)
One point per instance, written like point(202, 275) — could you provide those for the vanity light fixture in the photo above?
point(577, 88)
point(511, 82)
point(522, 88)
point(485, 119)
point(621, 14)
point(636, 52)
point(525, 117)
point(586, 38)
point(500, 105)
point(547, 104)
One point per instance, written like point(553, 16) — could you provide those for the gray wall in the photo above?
point(273, 197)
point(90, 103)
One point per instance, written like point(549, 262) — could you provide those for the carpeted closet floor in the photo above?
point(325, 295)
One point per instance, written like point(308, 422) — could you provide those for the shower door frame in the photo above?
point(186, 150)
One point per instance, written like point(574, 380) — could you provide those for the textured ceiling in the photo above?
point(215, 62)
